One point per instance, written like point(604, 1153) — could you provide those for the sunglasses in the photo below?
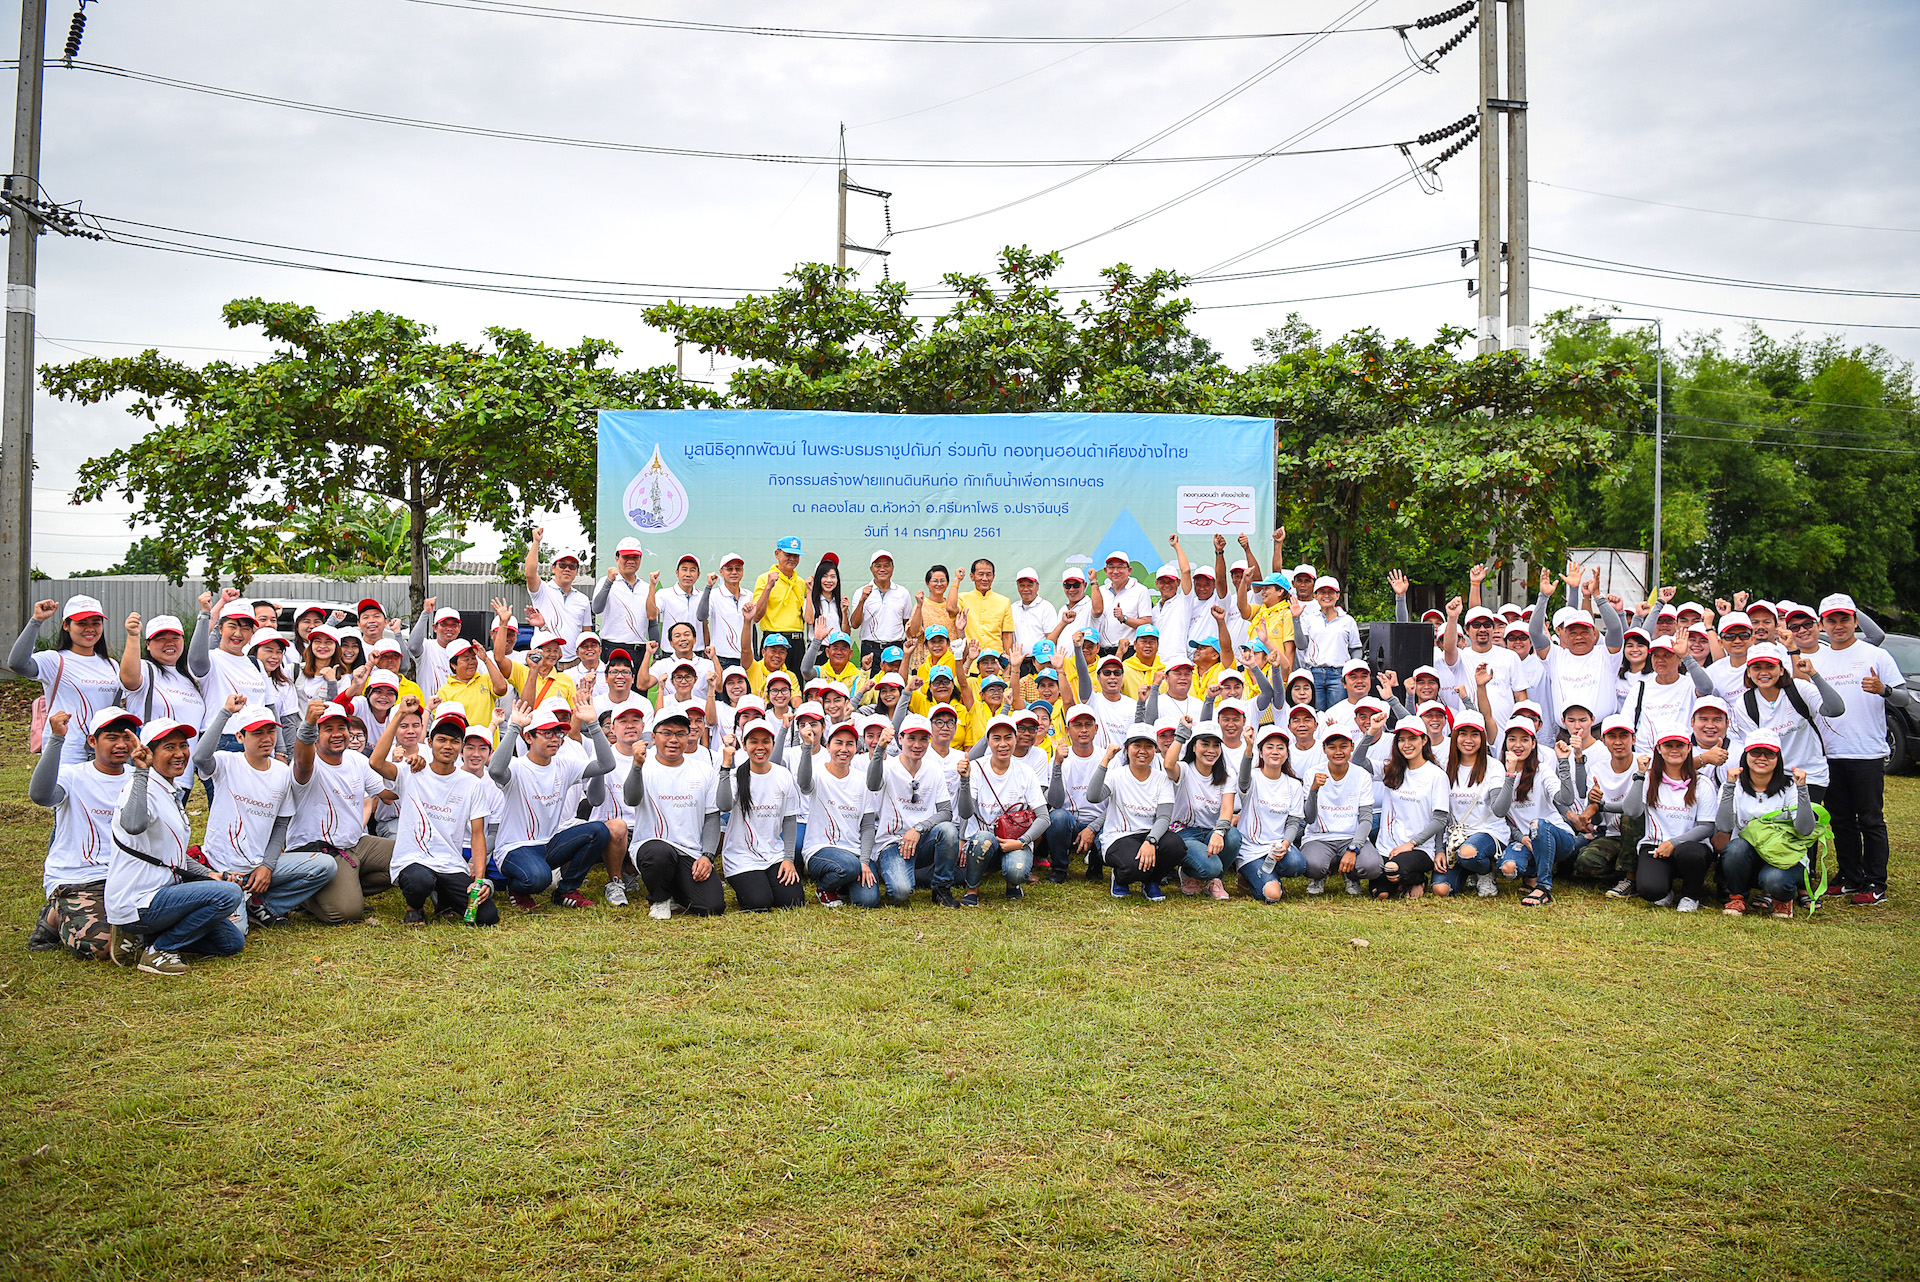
point(1801, 625)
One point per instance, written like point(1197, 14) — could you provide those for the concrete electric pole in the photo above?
point(1489, 291)
point(16, 416)
point(1519, 264)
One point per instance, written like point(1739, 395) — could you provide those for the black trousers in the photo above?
point(1413, 869)
point(760, 890)
point(668, 872)
point(1856, 795)
point(1123, 856)
point(1685, 871)
point(449, 893)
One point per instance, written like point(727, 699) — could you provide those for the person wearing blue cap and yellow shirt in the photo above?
point(940, 689)
point(773, 658)
point(1143, 667)
point(780, 594)
point(837, 664)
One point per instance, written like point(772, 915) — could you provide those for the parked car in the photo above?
point(1903, 727)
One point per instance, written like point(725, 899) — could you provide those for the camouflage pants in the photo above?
point(75, 918)
point(1612, 858)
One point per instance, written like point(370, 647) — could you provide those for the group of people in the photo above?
point(1220, 729)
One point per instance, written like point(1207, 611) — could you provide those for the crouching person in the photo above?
point(441, 850)
point(83, 796)
point(252, 809)
point(155, 891)
point(331, 788)
point(534, 793)
point(910, 828)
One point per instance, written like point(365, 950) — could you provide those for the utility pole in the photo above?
point(1489, 177)
point(16, 415)
point(1519, 253)
point(840, 239)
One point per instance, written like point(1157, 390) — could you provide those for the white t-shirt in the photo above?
point(132, 883)
point(1133, 601)
point(1337, 809)
point(79, 686)
point(1467, 801)
point(83, 825)
point(662, 671)
point(1131, 802)
point(331, 805)
point(1613, 788)
point(1032, 623)
point(1330, 642)
point(675, 802)
point(950, 771)
point(1859, 733)
point(245, 804)
point(1173, 617)
point(727, 622)
point(624, 621)
point(1115, 717)
point(1801, 745)
point(883, 619)
point(1076, 772)
point(1662, 708)
point(1506, 677)
point(756, 839)
point(1264, 813)
point(1670, 817)
point(994, 794)
point(1196, 802)
point(1729, 682)
point(1583, 679)
point(233, 673)
point(534, 802)
point(835, 806)
point(613, 805)
point(1409, 808)
point(907, 800)
point(566, 617)
point(175, 696)
point(1748, 807)
point(436, 819)
point(676, 606)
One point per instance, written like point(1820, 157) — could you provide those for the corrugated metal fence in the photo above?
point(150, 594)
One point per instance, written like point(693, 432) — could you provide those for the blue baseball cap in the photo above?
point(1275, 581)
point(936, 631)
point(836, 638)
point(773, 639)
point(1091, 634)
point(990, 653)
point(1259, 645)
point(1148, 631)
point(1043, 708)
point(993, 681)
point(892, 654)
point(1042, 650)
point(1194, 643)
point(939, 670)
point(1046, 674)
point(789, 544)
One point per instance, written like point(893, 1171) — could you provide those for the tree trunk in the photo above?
point(417, 539)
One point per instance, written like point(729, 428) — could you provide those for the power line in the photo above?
point(1366, 197)
point(1792, 402)
point(512, 8)
point(1317, 298)
point(649, 149)
point(1726, 213)
point(1800, 445)
point(1702, 278)
point(1701, 311)
point(1209, 277)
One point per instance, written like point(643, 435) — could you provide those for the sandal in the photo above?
point(1536, 897)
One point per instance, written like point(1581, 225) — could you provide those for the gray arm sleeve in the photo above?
point(807, 668)
point(1295, 827)
point(289, 726)
point(198, 644)
point(1831, 702)
point(723, 795)
point(1872, 631)
point(632, 790)
point(1699, 832)
point(1579, 777)
point(1400, 614)
point(699, 611)
point(1206, 707)
point(1148, 708)
point(1723, 820)
point(1080, 669)
point(1502, 800)
point(1361, 761)
point(133, 812)
point(417, 636)
point(876, 771)
point(942, 814)
point(602, 751)
point(1616, 631)
point(790, 835)
point(710, 835)
point(1899, 697)
point(1096, 786)
point(209, 745)
point(1057, 787)
point(978, 750)
point(1435, 826)
point(1400, 710)
point(1162, 816)
point(803, 774)
point(43, 786)
point(1541, 640)
point(500, 765)
point(1363, 821)
point(276, 842)
point(1573, 596)
point(1038, 828)
point(966, 797)
point(1267, 696)
point(1702, 683)
point(869, 825)
point(1634, 804)
point(1311, 811)
point(900, 713)
point(20, 658)
point(1564, 797)
point(602, 592)
point(596, 793)
point(1802, 814)
point(1246, 774)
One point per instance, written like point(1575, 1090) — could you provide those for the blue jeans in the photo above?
point(1199, 864)
point(529, 869)
point(1552, 846)
point(300, 876)
point(1327, 688)
point(983, 855)
point(1254, 875)
point(936, 856)
point(194, 917)
point(837, 871)
point(1743, 871)
point(1475, 856)
point(1057, 841)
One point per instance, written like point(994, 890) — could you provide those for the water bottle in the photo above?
point(473, 901)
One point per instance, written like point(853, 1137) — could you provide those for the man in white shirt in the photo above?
point(1073, 822)
point(564, 611)
point(431, 668)
point(1034, 617)
point(1481, 624)
point(252, 810)
point(881, 610)
point(331, 791)
point(723, 612)
point(1128, 605)
point(1728, 672)
point(83, 796)
point(621, 599)
point(678, 603)
point(1870, 682)
point(1173, 612)
point(910, 829)
point(535, 837)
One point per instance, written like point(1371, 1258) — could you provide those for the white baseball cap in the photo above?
point(628, 545)
point(1326, 581)
point(85, 607)
point(160, 727)
point(1735, 619)
point(1838, 603)
point(111, 714)
point(251, 717)
point(164, 623)
point(878, 555)
point(446, 614)
point(385, 645)
point(1118, 555)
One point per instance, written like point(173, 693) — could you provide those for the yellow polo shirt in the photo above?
point(783, 601)
point(1136, 676)
point(1279, 621)
point(559, 685)
point(988, 616)
point(474, 694)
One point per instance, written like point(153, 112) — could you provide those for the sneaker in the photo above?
point(1688, 904)
point(414, 917)
point(1318, 886)
point(943, 897)
point(155, 962)
point(525, 903)
point(553, 882)
point(1736, 906)
point(970, 900)
point(571, 899)
point(1783, 909)
point(1058, 876)
point(616, 894)
point(1093, 867)
point(1867, 898)
point(1189, 885)
point(662, 911)
point(1117, 888)
point(1353, 885)
point(259, 915)
point(1667, 900)
point(1761, 903)
point(1622, 889)
point(1841, 890)
point(123, 947)
point(1154, 893)
point(1015, 892)
point(44, 938)
point(1217, 889)
point(1489, 885)
point(829, 899)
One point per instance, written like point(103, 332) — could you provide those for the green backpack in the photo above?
point(1773, 837)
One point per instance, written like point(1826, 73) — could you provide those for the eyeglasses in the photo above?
point(1801, 625)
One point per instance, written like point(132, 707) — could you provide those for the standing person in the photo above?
point(156, 678)
point(1128, 605)
point(252, 811)
point(1136, 836)
point(1758, 786)
point(679, 603)
point(1271, 801)
point(837, 798)
point(989, 615)
point(441, 850)
point(621, 600)
point(1791, 706)
point(722, 613)
point(564, 610)
point(1736, 636)
point(1479, 794)
point(1680, 811)
point(1481, 625)
point(1339, 818)
point(763, 828)
point(676, 805)
point(331, 787)
point(909, 831)
point(881, 610)
point(1073, 822)
point(73, 676)
point(1173, 612)
point(1034, 618)
point(430, 653)
point(1083, 608)
point(369, 614)
point(780, 594)
point(1869, 682)
point(1203, 809)
point(1332, 638)
point(1577, 670)
point(1414, 813)
point(318, 675)
point(83, 796)
point(154, 887)
point(226, 670)
point(824, 601)
point(539, 678)
point(534, 789)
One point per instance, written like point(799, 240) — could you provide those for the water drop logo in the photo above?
point(656, 501)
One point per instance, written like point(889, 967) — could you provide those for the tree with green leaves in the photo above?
point(148, 555)
point(365, 408)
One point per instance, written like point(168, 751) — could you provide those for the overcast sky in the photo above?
point(1791, 111)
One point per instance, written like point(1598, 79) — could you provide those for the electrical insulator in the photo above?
point(75, 29)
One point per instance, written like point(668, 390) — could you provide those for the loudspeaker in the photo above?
point(1401, 647)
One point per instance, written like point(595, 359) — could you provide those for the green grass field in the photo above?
point(1062, 1088)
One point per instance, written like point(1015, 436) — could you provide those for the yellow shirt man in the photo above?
point(555, 684)
point(1136, 676)
point(475, 694)
point(783, 600)
point(989, 619)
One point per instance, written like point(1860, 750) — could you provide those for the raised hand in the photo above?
point(1279, 536)
point(426, 606)
point(234, 702)
point(1642, 763)
point(142, 755)
point(1803, 669)
point(653, 579)
point(206, 603)
point(1799, 777)
point(44, 610)
point(964, 767)
point(711, 579)
point(1720, 605)
point(1482, 674)
point(57, 723)
point(1319, 779)
point(522, 714)
point(133, 625)
point(409, 703)
point(1219, 544)
point(1113, 750)
point(1667, 594)
point(1453, 609)
point(1389, 679)
point(1246, 546)
point(1733, 773)
point(1398, 582)
point(1546, 579)
point(1477, 574)
point(1739, 601)
point(1173, 540)
point(583, 708)
point(501, 609)
point(314, 708)
point(1562, 750)
point(535, 617)
point(229, 594)
point(820, 629)
point(1871, 683)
